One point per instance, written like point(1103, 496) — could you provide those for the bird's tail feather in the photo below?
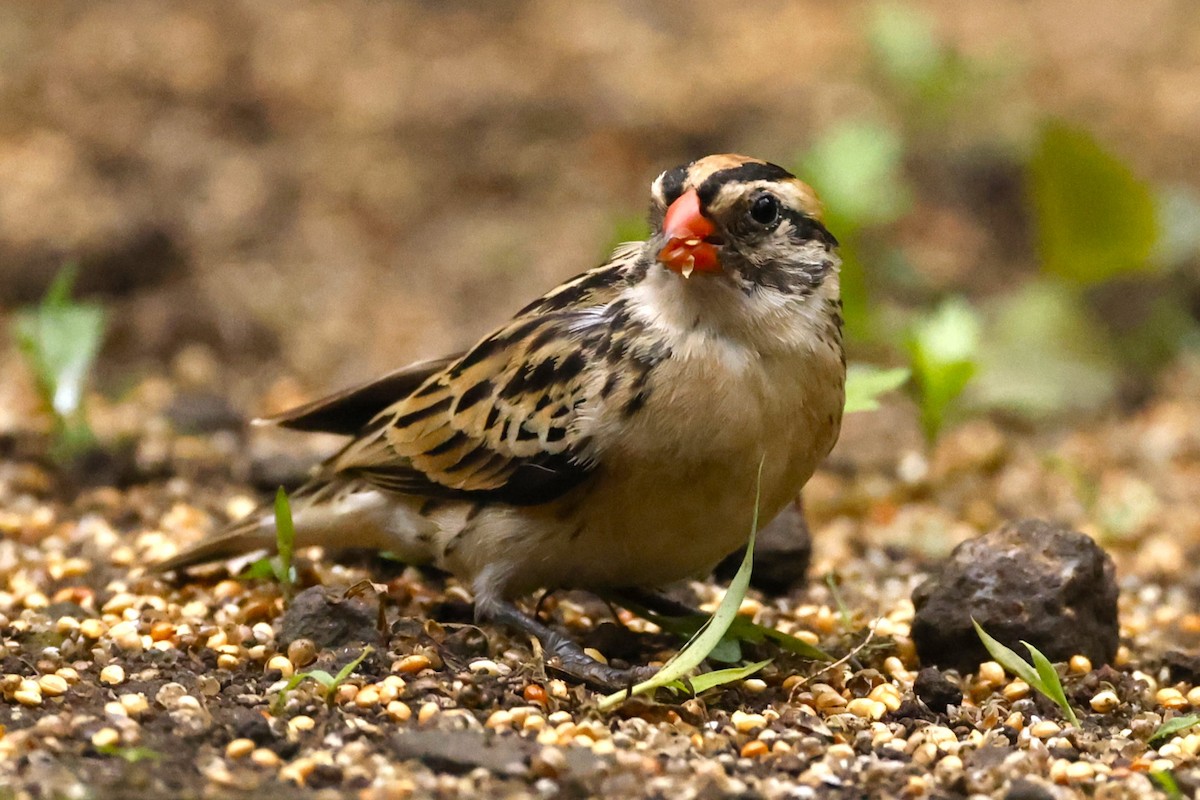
point(332, 515)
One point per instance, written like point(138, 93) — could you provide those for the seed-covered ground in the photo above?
point(114, 682)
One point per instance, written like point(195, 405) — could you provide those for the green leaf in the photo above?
point(1042, 354)
point(904, 43)
point(328, 683)
point(285, 543)
point(1166, 781)
point(865, 383)
point(1174, 726)
point(692, 654)
point(1043, 678)
point(262, 568)
point(699, 684)
point(944, 347)
point(1051, 684)
point(856, 169)
point(754, 633)
point(1008, 659)
point(130, 754)
point(60, 339)
point(1095, 219)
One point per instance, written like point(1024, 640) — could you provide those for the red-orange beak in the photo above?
point(688, 247)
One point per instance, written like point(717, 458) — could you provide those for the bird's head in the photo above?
point(738, 219)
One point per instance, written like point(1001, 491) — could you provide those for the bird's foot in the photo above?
point(570, 661)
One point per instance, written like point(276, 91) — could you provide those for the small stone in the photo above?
point(1032, 580)
point(936, 691)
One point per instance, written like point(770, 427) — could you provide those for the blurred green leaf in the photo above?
point(1179, 226)
point(285, 545)
point(1174, 726)
point(627, 228)
point(944, 346)
point(1042, 354)
point(1166, 781)
point(60, 339)
point(865, 383)
point(856, 169)
point(1095, 219)
point(904, 43)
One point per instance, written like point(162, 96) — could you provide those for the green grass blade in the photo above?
point(754, 633)
point(285, 542)
point(1174, 726)
point(865, 384)
point(695, 651)
point(1009, 659)
point(710, 680)
point(1051, 684)
point(1166, 781)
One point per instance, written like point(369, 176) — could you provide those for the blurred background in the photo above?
point(288, 197)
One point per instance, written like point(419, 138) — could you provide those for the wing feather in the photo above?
point(502, 421)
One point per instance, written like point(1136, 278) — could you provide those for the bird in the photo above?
point(619, 432)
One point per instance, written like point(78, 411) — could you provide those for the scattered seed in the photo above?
point(105, 738)
point(239, 748)
point(411, 664)
point(755, 748)
point(1104, 702)
point(52, 685)
point(113, 675)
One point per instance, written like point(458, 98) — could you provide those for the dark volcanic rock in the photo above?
point(782, 551)
point(330, 619)
point(936, 691)
point(1031, 580)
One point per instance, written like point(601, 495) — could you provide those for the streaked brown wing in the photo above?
point(349, 411)
point(500, 422)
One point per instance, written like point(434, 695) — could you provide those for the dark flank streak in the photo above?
point(439, 407)
point(635, 404)
point(476, 394)
point(457, 440)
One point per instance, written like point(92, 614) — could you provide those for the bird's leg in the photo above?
point(573, 662)
point(657, 602)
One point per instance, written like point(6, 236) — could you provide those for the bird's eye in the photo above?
point(765, 209)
